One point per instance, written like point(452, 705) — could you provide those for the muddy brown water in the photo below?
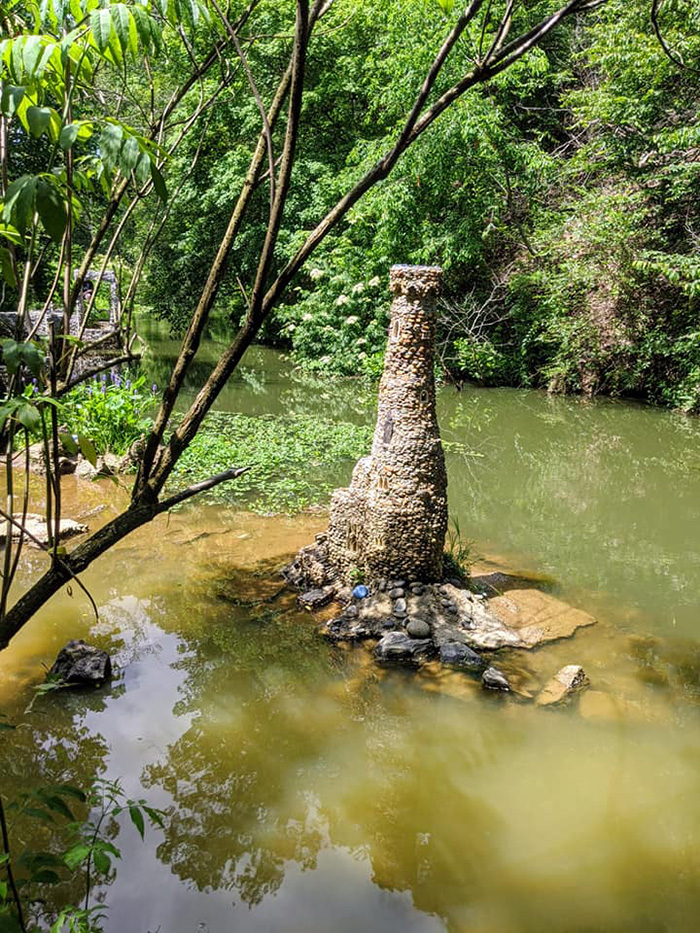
point(308, 791)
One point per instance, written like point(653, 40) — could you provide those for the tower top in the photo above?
point(415, 282)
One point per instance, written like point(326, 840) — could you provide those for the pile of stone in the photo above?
point(413, 622)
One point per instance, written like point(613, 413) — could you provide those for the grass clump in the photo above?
point(296, 460)
point(459, 556)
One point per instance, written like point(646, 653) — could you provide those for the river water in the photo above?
point(307, 791)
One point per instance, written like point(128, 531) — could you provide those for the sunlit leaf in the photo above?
point(68, 136)
point(76, 855)
point(101, 28)
point(11, 98)
point(87, 449)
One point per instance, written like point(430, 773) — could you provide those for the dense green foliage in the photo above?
point(561, 200)
point(295, 461)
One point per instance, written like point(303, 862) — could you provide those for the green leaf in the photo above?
point(45, 876)
point(12, 235)
point(87, 449)
point(52, 210)
point(68, 136)
point(39, 814)
point(19, 201)
point(69, 790)
point(76, 855)
point(36, 860)
point(68, 442)
point(32, 357)
point(3, 890)
point(130, 155)
point(101, 28)
point(149, 31)
point(111, 140)
point(8, 271)
point(32, 48)
point(11, 356)
point(158, 182)
point(137, 819)
point(101, 861)
point(446, 5)
point(38, 119)
point(143, 168)
point(155, 816)
point(11, 99)
point(125, 28)
point(29, 417)
point(55, 803)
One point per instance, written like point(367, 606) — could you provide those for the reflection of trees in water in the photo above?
point(602, 492)
point(269, 383)
point(297, 745)
point(52, 745)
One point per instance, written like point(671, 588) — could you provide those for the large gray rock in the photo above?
point(107, 465)
point(316, 599)
point(401, 648)
point(456, 654)
point(80, 664)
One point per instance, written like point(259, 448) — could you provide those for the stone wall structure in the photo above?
point(391, 521)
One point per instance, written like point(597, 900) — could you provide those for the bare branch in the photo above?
point(267, 132)
point(206, 484)
point(675, 57)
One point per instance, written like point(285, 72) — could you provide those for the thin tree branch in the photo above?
point(267, 132)
point(206, 484)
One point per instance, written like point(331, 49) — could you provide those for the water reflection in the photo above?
point(308, 791)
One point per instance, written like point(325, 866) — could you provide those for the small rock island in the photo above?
point(382, 557)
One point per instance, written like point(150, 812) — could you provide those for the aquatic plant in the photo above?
point(113, 411)
point(295, 460)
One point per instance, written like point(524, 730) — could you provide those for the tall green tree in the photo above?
point(464, 49)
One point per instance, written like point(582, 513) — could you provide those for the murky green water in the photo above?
point(309, 792)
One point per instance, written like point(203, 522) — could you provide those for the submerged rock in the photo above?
point(80, 664)
point(493, 679)
point(565, 684)
point(37, 531)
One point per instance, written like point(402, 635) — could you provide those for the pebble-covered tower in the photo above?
point(391, 521)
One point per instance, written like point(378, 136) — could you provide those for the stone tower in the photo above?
point(391, 521)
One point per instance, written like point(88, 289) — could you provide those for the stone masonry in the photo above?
point(391, 521)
